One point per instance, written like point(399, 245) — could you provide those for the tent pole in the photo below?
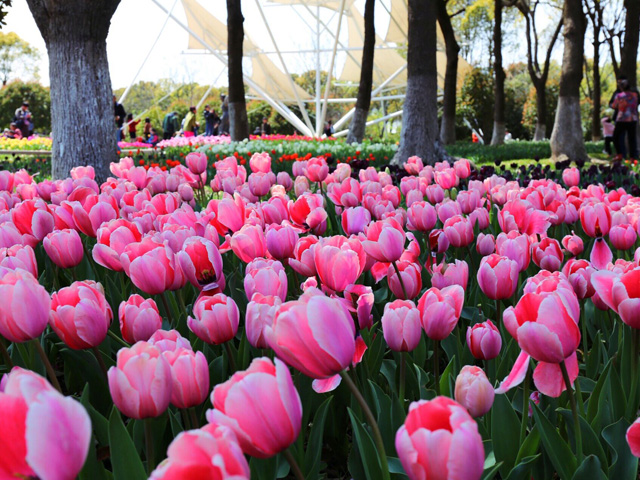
point(166, 20)
point(343, 133)
point(318, 126)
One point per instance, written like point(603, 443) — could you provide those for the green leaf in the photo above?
point(264, 468)
point(557, 449)
point(590, 470)
point(124, 459)
point(624, 466)
point(99, 423)
point(590, 443)
point(594, 399)
point(445, 384)
point(522, 471)
point(313, 454)
point(505, 433)
point(366, 447)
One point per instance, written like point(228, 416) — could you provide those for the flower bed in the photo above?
point(31, 143)
point(337, 322)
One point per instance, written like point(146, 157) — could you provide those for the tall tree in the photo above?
point(448, 122)
point(363, 102)
point(419, 134)
point(17, 57)
point(75, 33)
point(567, 138)
point(539, 74)
point(238, 122)
point(498, 107)
point(629, 51)
point(595, 13)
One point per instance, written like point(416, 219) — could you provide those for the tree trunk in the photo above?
point(498, 106)
point(629, 53)
point(419, 134)
point(238, 121)
point(597, 90)
point(82, 117)
point(448, 123)
point(567, 137)
point(363, 102)
point(541, 111)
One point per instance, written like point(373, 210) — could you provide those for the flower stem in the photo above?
point(403, 369)
point(98, 355)
point(525, 407)
point(194, 418)
point(148, 437)
point(163, 296)
point(293, 464)
point(377, 437)
point(632, 405)
point(436, 366)
point(118, 339)
point(232, 361)
point(5, 354)
point(47, 365)
point(404, 290)
point(583, 324)
point(574, 411)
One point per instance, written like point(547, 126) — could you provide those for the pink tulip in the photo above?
point(346, 194)
point(469, 200)
point(260, 183)
point(189, 377)
point(447, 178)
point(112, 238)
point(93, 211)
point(438, 241)
point(440, 440)
point(421, 216)
point(435, 194)
point(339, 261)
point(573, 244)
point(359, 300)
point(440, 310)
point(33, 217)
point(64, 247)
point(498, 277)
point(446, 274)
point(462, 168)
point(447, 209)
point(281, 241)
point(385, 240)
point(308, 212)
point(633, 438)
point(411, 277)
point(595, 219)
point(152, 266)
point(316, 169)
point(231, 212)
point(212, 452)
point(169, 341)
point(413, 165)
point(216, 319)
point(260, 312)
point(486, 244)
point(80, 315)
point(139, 318)
point(201, 263)
point(622, 236)
point(484, 341)
point(355, 220)
point(19, 256)
point(267, 277)
point(621, 293)
point(459, 231)
point(521, 216)
point(543, 327)
point(474, 391)
point(303, 260)
point(579, 272)
point(248, 243)
point(571, 177)
point(140, 383)
point(515, 246)
point(547, 254)
point(6, 180)
point(196, 162)
point(298, 335)
point(401, 325)
point(260, 162)
point(261, 405)
point(24, 310)
point(601, 254)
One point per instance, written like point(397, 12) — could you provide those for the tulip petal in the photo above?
point(327, 384)
point(517, 374)
point(548, 376)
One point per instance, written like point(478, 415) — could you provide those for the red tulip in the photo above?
point(303, 260)
point(633, 438)
point(201, 263)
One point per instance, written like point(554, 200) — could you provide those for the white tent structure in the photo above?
point(334, 35)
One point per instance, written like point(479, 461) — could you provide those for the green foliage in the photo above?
point(17, 57)
point(12, 96)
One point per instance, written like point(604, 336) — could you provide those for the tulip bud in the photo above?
point(139, 318)
point(216, 319)
point(401, 325)
point(484, 340)
point(64, 247)
point(474, 391)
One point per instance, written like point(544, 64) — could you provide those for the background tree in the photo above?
point(4, 5)
point(595, 14)
point(452, 49)
point(497, 137)
point(12, 96)
point(17, 57)
point(420, 134)
point(75, 33)
point(363, 101)
point(567, 137)
point(238, 122)
point(539, 75)
point(629, 51)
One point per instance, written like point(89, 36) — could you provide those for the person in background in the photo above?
point(22, 118)
point(328, 128)
point(190, 124)
point(265, 128)
point(12, 132)
point(607, 133)
point(625, 102)
point(153, 137)
point(146, 132)
point(170, 125)
point(224, 121)
point(120, 115)
point(209, 120)
point(132, 126)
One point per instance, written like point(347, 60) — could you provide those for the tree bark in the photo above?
point(448, 123)
point(597, 89)
point(541, 110)
point(238, 121)
point(567, 137)
point(629, 53)
point(419, 134)
point(497, 138)
point(82, 117)
point(363, 102)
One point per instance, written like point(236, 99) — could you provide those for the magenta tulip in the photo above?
point(281, 241)
point(498, 277)
point(139, 318)
point(24, 310)
point(440, 310)
point(201, 263)
point(447, 274)
point(547, 254)
point(215, 319)
point(484, 340)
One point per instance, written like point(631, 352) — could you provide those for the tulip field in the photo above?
point(223, 317)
